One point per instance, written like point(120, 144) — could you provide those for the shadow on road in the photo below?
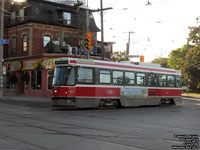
point(33, 104)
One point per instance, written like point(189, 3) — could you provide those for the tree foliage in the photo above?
point(187, 59)
point(119, 56)
point(177, 57)
point(161, 61)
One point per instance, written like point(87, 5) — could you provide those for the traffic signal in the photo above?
point(88, 41)
point(141, 58)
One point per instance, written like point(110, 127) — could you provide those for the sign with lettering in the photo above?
point(15, 66)
point(4, 41)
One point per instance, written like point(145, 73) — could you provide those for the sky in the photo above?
point(156, 29)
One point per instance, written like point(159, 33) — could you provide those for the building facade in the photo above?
point(39, 32)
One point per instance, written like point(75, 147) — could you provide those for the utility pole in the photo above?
point(1, 48)
point(87, 25)
point(78, 4)
point(128, 44)
point(102, 27)
point(102, 31)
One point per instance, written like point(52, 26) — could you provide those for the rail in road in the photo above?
point(33, 126)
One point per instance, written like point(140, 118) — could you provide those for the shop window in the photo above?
point(46, 40)
point(36, 80)
point(25, 43)
point(50, 79)
point(14, 44)
point(11, 80)
point(25, 78)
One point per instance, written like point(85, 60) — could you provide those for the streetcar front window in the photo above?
point(64, 75)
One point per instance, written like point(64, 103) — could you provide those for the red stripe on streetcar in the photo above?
point(164, 92)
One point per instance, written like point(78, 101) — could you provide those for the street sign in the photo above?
point(4, 41)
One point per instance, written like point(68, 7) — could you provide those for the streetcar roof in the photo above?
point(114, 65)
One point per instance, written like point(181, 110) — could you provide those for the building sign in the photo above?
point(32, 64)
point(15, 66)
point(49, 63)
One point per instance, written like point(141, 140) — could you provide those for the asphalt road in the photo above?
point(29, 125)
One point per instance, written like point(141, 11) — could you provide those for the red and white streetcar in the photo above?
point(85, 83)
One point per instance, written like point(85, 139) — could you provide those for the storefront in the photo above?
point(31, 77)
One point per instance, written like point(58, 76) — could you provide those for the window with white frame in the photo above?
point(67, 17)
point(46, 40)
point(21, 14)
point(13, 16)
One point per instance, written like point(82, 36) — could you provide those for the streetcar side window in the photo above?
point(162, 80)
point(152, 79)
point(118, 77)
point(178, 81)
point(104, 76)
point(140, 79)
point(129, 78)
point(85, 75)
point(170, 81)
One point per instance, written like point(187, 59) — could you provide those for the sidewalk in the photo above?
point(24, 98)
point(192, 96)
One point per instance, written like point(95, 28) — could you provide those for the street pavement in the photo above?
point(29, 123)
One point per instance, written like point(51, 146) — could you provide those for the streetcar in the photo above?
point(87, 83)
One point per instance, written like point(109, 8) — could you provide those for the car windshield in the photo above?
point(64, 75)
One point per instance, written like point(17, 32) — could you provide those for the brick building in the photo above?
point(40, 31)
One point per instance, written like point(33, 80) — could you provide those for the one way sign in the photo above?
point(4, 41)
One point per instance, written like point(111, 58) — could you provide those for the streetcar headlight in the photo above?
point(55, 91)
point(66, 92)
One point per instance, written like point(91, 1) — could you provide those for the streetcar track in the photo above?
point(91, 136)
point(85, 135)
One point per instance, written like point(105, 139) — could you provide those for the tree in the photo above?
point(177, 57)
point(186, 59)
point(119, 56)
point(161, 61)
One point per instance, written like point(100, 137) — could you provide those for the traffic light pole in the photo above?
point(87, 27)
point(1, 48)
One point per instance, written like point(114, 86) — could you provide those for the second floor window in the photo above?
point(14, 44)
point(46, 40)
point(25, 43)
point(67, 17)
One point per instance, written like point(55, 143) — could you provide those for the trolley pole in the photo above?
point(1, 48)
